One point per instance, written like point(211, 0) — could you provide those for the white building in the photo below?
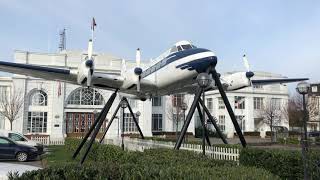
point(57, 109)
point(249, 104)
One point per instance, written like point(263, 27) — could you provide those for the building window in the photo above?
point(79, 122)
point(221, 103)
point(239, 102)
point(156, 101)
point(257, 86)
point(2, 119)
point(222, 122)
point(156, 122)
point(257, 102)
point(39, 98)
point(275, 103)
point(242, 123)
point(3, 92)
point(210, 104)
point(177, 100)
point(37, 122)
point(314, 89)
point(85, 96)
point(129, 125)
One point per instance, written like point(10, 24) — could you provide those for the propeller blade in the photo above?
point(246, 63)
point(228, 106)
point(138, 57)
point(123, 67)
point(90, 49)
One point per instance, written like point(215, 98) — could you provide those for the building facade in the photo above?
point(314, 107)
point(252, 106)
point(58, 109)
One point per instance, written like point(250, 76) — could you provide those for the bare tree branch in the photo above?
point(11, 104)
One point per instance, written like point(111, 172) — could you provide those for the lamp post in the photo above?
point(303, 89)
point(124, 105)
point(203, 80)
point(184, 107)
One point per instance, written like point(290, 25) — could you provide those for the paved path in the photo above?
point(6, 167)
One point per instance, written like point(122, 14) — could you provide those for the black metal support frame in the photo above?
point(94, 129)
point(115, 114)
point(197, 100)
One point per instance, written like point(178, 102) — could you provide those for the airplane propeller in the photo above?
point(138, 70)
point(89, 62)
point(249, 73)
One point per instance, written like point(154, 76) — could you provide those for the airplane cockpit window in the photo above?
point(186, 46)
point(179, 48)
point(173, 49)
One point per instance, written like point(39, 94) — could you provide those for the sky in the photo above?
point(277, 36)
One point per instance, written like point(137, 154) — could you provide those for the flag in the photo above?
point(93, 24)
point(59, 88)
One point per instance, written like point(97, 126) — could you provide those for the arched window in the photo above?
point(85, 96)
point(39, 98)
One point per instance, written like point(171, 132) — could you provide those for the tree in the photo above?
point(11, 105)
point(272, 113)
point(295, 110)
point(174, 110)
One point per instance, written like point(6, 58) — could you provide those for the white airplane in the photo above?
point(174, 71)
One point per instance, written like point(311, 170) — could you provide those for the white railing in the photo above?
point(45, 140)
point(219, 153)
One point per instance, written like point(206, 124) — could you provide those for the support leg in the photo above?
point(213, 122)
point(93, 126)
point(102, 116)
point(134, 118)
point(111, 120)
point(202, 122)
point(188, 119)
point(228, 106)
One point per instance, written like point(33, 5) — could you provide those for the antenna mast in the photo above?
point(62, 43)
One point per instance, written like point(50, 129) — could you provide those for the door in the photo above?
point(7, 149)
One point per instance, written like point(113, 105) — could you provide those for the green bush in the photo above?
point(110, 162)
point(198, 133)
point(289, 140)
point(284, 163)
point(148, 170)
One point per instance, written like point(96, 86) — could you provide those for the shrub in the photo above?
point(284, 163)
point(147, 170)
point(110, 162)
point(289, 140)
point(198, 133)
point(253, 133)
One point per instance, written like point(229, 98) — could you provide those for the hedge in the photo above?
point(110, 162)
point(284, 163)
point(150, 170)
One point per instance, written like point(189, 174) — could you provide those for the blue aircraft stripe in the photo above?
point(200, 65)
point(171, 58)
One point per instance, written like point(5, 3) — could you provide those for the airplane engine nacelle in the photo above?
point(236, 81)
point(85, 71)
point(130, 80)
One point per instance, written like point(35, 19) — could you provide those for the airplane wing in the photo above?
point(39, 71)
point(100, 79)
point(277, 81)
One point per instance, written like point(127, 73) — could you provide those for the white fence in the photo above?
point(45, 140)
point(220, 153)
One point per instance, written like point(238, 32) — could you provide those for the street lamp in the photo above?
point(124, 105)
point(184, 107)
point(203, 80)
point(303, 89)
